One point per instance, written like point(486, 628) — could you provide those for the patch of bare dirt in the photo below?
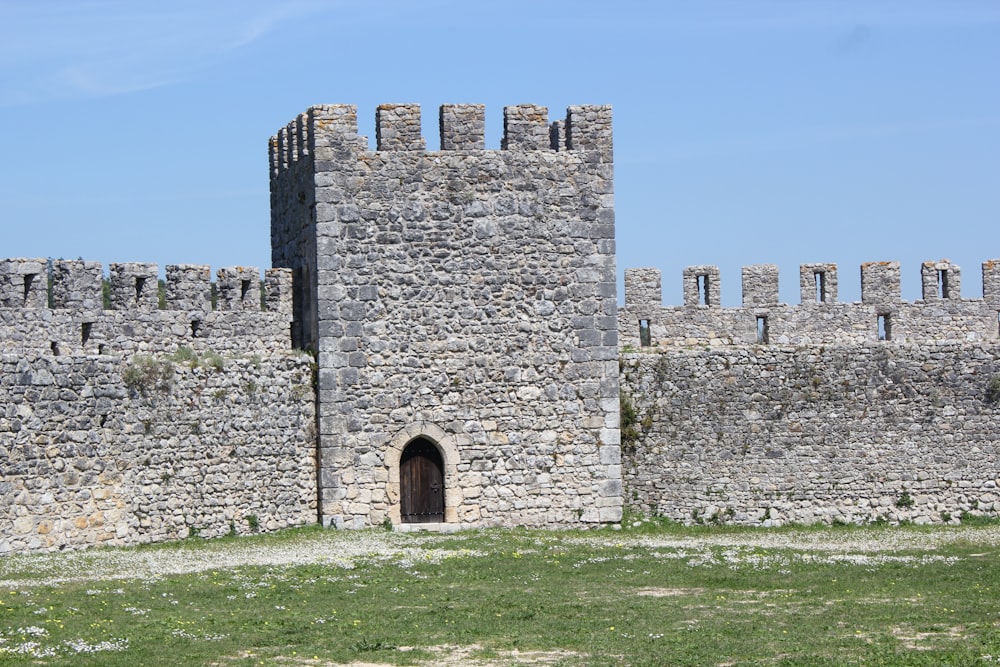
point(669, 592)
point(924, 641)
point(451, 656)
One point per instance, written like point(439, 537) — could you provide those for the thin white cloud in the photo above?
point(57, 51)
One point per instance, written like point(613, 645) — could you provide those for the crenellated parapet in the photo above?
point(77, 284)
point(991, 282)
point(702, 286)
point(818, 283)
point(68, 307)
point(760, 285)
point(23, 283)
point(134, 286)
point(324, 131)
point(880, 283)
point(881, 315)
point(462, 127)
point(941, 280)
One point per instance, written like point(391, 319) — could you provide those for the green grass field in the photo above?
point(644, 595)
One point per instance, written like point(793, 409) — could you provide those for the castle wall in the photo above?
point(817, 412)
point(466, 296)
point(770, 434)
point(942, 314)
point(128, 425)
point(78, 322)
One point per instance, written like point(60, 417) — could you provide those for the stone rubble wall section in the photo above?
point(941, 315)
point(78, 323)
point(768, 435)
point(102, 449)
point(471, 291)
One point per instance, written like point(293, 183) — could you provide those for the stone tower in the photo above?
point(462, 305)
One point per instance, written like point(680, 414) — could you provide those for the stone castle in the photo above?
point(440, 345)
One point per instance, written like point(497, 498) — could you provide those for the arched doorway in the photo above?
point(421, 483)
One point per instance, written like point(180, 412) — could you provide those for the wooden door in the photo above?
point(421, 483)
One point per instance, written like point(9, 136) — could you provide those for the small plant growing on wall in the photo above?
point(185, 354)
point(993, 390)
point(213, 360)
point(629, 422)
point(144, 374)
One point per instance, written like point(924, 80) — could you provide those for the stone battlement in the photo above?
point(942, 313)
point(323, 130)
point(60, 307)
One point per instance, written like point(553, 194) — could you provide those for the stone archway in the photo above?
point(414, 439)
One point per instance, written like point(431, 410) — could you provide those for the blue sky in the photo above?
point(746, 131)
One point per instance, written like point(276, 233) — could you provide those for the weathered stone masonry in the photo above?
point(819, 412)
point(464, 296)
point(134, 424)
point(458, 309)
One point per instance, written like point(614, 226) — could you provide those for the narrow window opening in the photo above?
point(820, 278)
point(195, 326)
point(762, 329)
point(884, 327)
point(942, 280)
point(703, 290)
point(28, 279)
point(244, 289)
point(644, 337)
point(998, 323)
point(85, 330)
point(55, 348)
point(140, 285)
point(554, 136)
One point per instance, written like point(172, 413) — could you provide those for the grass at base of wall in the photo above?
point(660, 595)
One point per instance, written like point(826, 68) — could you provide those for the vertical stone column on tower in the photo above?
point(880, 288)
point(818, 283)
point(991, 281)
point(463, 127)
point(880, 283)
point(189, 287)
point(134, 286)
point(643, 288)
point(940, 280)
point(76, 284)
point(702, 286)
point(643, 303)
point(238, 288)
point(760, 285)
point(23, 283)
